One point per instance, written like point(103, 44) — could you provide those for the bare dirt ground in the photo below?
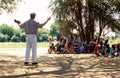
point(59, 66)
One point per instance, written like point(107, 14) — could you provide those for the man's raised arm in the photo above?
point(45, 21)
point(19, 23)
point(16, 21)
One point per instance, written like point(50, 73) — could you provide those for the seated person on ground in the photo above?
point(117, 51)
point(92, 45)
point(86, 46)
point(96, 49)
point(51, 49)
point(61, 44)
point(112, 51)
point(107, 49)
point(102, 46)
point(69, 41)
point(77, 44)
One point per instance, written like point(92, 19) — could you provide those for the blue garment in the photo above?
point(112, 51)
point(70, 39)
point(78, 40)
point(78, 48)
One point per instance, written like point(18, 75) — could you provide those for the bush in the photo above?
point(39, 38)
point(3, 38)
point(15, 39)
point(44, 37)
point(23, 37)
point(17, 34)
point(8, 33)
point(7, 30)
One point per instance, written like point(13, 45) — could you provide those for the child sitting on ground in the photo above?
point(77, 44)
point(61, 45)
point(117, 52)
point(51, 49)
point(112, 51)
point(107, 51)
point(69, 41)
point(96, 49)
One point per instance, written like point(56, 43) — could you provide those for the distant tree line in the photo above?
point(12, 34)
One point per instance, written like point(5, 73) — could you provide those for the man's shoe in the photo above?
point(35, 63)
point(26, 63)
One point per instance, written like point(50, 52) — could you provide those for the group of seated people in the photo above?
point(104, 49)
point(67, 44)
point(72, 44)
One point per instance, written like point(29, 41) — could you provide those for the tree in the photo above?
point(85, 15)
point(103, 12)
point(68, 12)
point(54, 30)
point(9, 33)
point(8, 5)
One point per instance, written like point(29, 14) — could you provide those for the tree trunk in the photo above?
point(100, 27)
point(89, 20)
point(79, 19)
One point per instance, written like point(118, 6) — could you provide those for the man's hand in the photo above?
point(17, 21)
point(46, 21)
point(49, 18)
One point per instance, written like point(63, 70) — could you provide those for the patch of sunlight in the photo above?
point(48, 69)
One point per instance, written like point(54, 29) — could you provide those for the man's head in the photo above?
point(32, 15)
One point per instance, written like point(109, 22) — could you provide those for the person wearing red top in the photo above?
point(96, 49)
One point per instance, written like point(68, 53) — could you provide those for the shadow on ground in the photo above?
point(61, 66)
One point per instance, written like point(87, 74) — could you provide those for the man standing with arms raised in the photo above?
point(31, 28)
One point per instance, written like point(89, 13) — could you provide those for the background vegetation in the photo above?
point(89, 17)
point(11, 34)
point(85, 16)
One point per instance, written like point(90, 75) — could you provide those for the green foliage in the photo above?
point(42, 35)
point(114, 40)
point(7, 30)
point(8, 33)
point(15, 39)
point(103, 11)
point(54, 30)
point(17, 36)
point(3, 38)
point(65, 27)
point(8, 5)
point(43, 31)
point(85, 16)
point(39, 38)
point(23, 37)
